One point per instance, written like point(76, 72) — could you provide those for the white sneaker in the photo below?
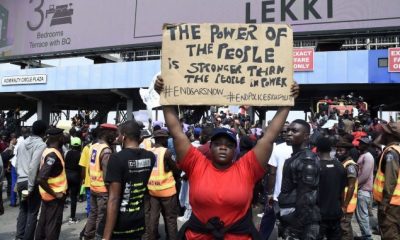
point(260, 215)
point(73, 221)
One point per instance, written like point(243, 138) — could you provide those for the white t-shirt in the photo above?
point(14, 159)
point(279, 154)
point(196, 143)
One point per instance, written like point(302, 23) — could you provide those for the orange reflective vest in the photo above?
point(380, 180)
point(353, 202)
point(57, 184)
point(161, 183)
point(96, 173)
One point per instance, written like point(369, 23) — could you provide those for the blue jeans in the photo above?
point(87, 201)
point(13, 198)
point(363, 202)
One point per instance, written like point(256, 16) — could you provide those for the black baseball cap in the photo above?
point(54, 131)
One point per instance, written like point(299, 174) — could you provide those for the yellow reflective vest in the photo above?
point(147, 144)
point(353, 202)
point(161, 183)
point(380, 180)
point(57, 184)
point(96, 173)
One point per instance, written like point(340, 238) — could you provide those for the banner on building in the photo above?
point(24, 80)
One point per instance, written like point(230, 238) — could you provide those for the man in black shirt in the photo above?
point(128, 173)
point(332, 182)
point(299, 192)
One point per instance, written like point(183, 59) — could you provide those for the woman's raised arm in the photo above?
point(264, 146)
point(181, 142)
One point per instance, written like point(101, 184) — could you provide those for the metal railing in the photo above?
point(371, 43)
point(141, 55)
point(305, 43)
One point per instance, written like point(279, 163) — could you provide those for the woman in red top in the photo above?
point(220, 189)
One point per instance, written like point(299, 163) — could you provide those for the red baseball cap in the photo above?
point(109, 126)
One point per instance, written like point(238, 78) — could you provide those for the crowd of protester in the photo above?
point(311, 176)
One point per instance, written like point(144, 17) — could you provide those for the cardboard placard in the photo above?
point(227, 64)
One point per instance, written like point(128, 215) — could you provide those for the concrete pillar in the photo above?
point(117, 117)
point(262, 115)
point(129, 109)
point(43, 111)
point(263, 119)
point(251, 113)
point(104, 117)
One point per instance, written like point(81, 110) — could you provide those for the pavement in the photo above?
point(8, 222)
point(71, 231)
point(356, 230)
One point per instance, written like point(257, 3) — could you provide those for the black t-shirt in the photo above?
point(132, 168)
point(72, 160)
point(331, 186)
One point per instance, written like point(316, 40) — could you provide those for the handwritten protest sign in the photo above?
point(227, 64)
